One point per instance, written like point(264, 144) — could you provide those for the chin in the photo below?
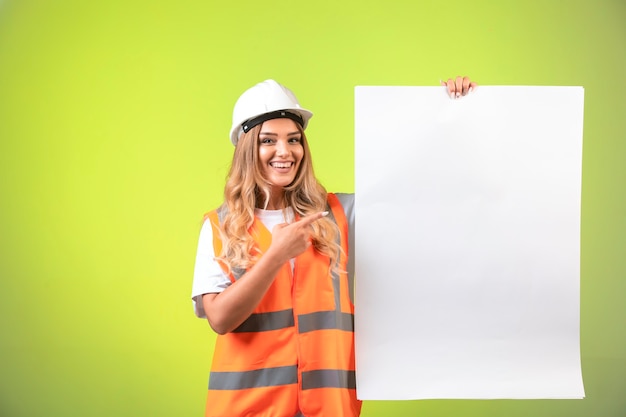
point(282, 182)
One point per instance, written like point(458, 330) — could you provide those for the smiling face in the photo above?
point(280, 153)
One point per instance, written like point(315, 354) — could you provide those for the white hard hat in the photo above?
point(266, 100)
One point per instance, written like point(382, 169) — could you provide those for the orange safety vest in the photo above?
point(294, 356)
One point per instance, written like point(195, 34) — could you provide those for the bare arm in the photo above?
point(225, 311)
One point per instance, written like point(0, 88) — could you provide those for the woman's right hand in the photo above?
point(291, 239)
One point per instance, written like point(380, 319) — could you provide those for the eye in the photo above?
point(266, 141)
point(297, 139)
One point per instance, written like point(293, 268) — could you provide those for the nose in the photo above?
point(282, 148)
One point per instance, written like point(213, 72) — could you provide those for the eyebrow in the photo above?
point(276, 134)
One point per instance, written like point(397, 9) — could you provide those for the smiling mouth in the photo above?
point(281, 164)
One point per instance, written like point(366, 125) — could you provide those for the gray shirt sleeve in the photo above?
point(347, 201)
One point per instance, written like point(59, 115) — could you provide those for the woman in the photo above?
point(272, 274)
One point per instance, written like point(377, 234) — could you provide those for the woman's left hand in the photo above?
point(459, 86)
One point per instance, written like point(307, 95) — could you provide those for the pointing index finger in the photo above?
point(307, 220)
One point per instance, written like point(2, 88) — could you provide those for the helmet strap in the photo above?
point(279, 114)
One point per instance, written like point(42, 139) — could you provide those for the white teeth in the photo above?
point(281, 164)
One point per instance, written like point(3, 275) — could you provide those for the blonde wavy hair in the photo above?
point(247, 189)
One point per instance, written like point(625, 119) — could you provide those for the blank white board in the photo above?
point(468, 243)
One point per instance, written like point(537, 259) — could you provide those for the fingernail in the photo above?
point(324, 213)
point(471, 89)
point(458, 95)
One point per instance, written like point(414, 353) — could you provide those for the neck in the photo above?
point(276, 201)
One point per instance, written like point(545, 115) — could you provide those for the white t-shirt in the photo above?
point(208, 276)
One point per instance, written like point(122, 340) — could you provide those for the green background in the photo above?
point(114, 120)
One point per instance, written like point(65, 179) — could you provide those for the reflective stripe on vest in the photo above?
point(328, 378)
point(283, 375)
point(265, 322)
point(325, 320)
point(320, 320)
point(266, 377)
